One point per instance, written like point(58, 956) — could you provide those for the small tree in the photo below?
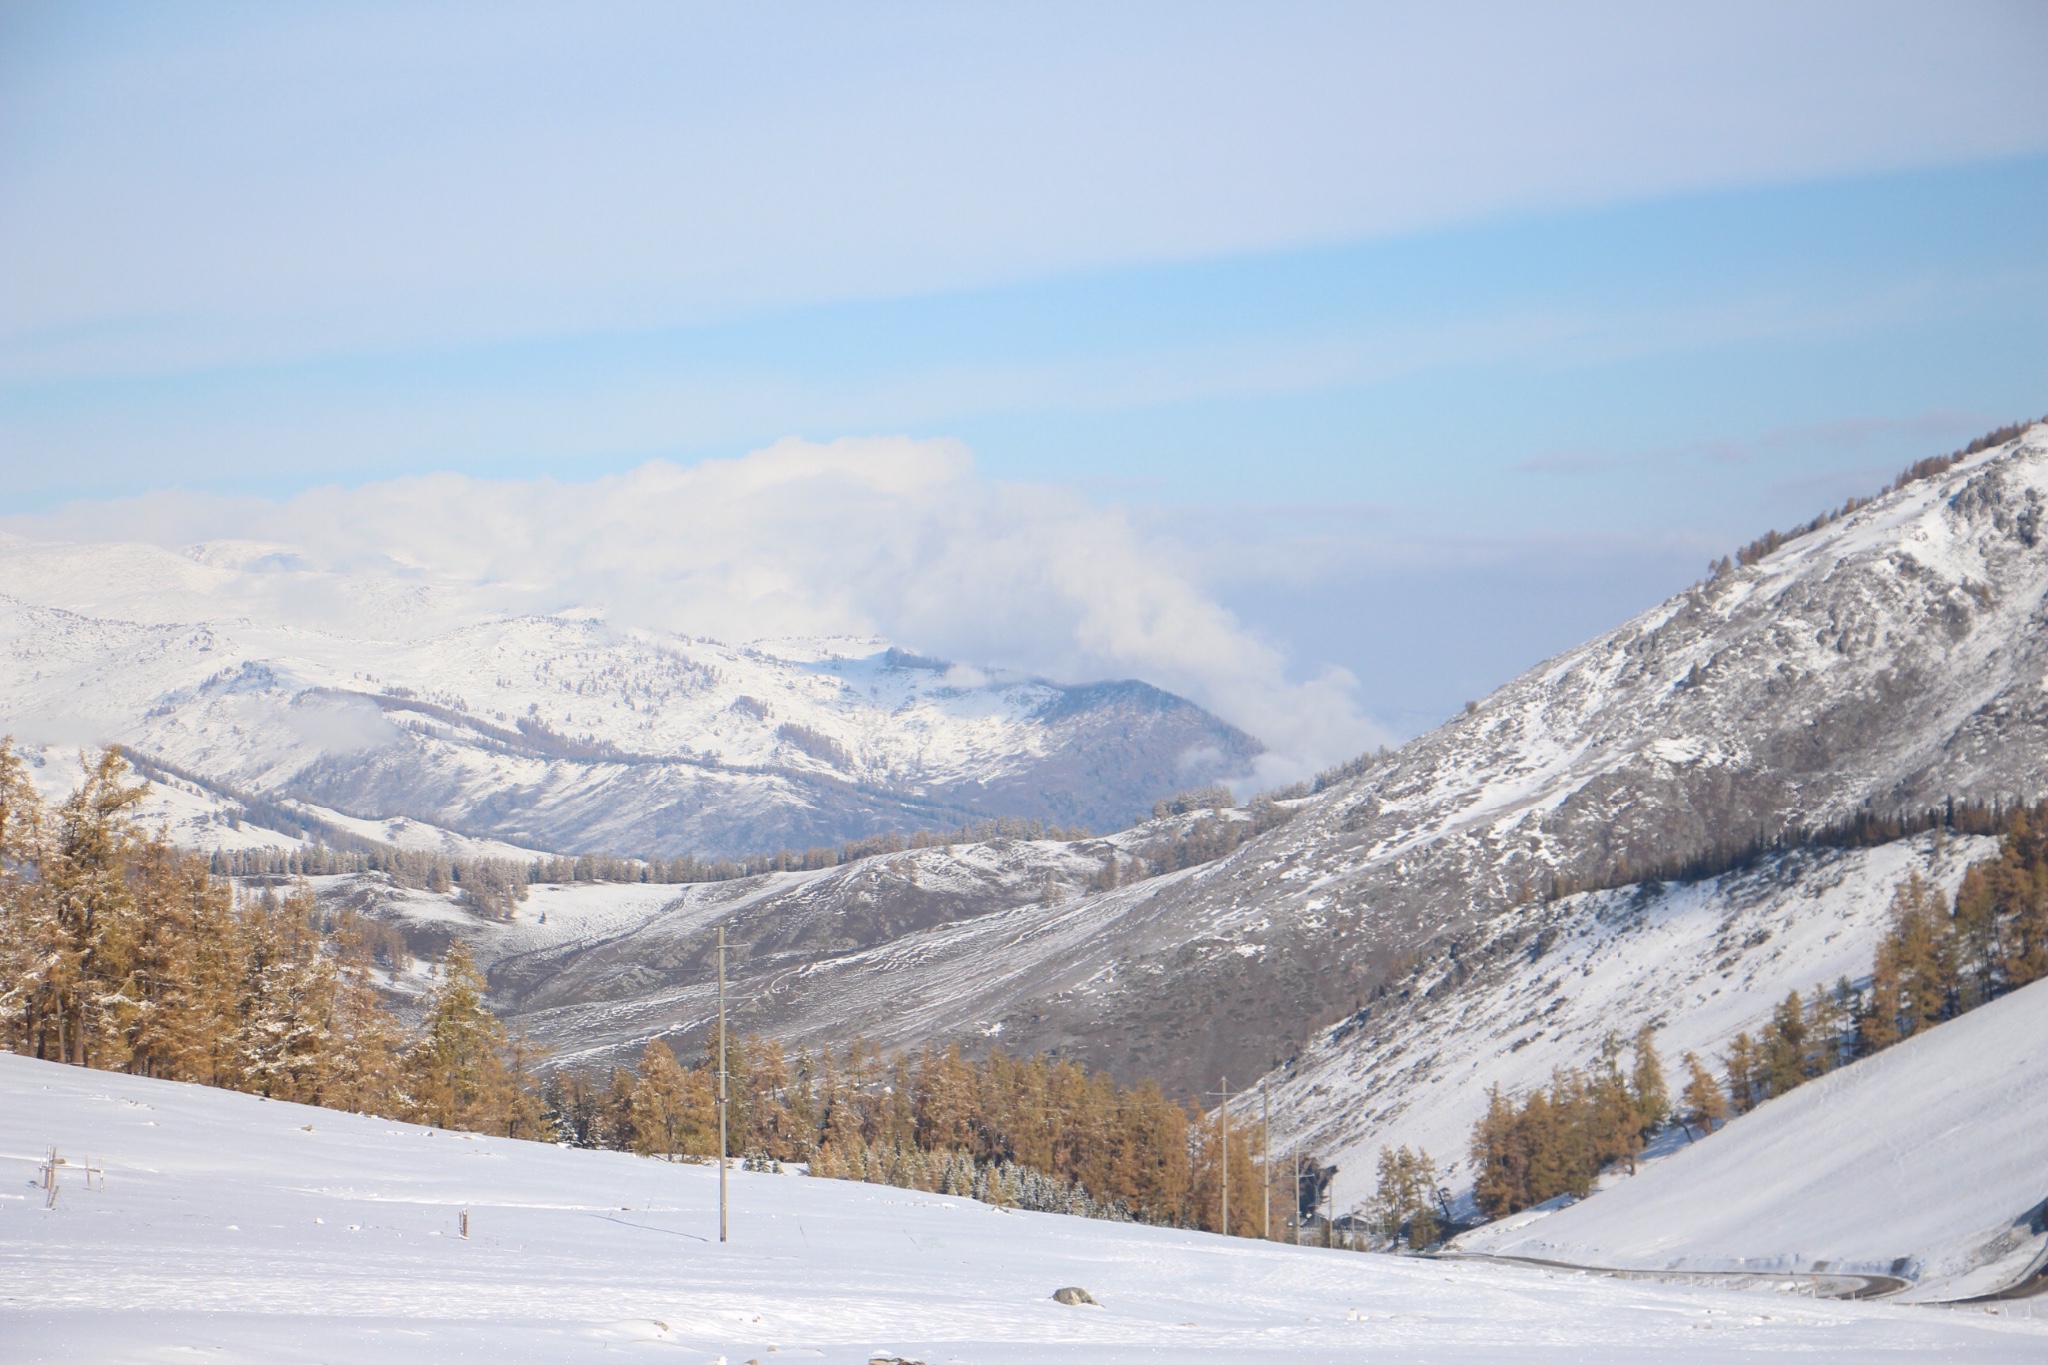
point(464, 1072)
point(1706, 1107)
point(1405, 1202)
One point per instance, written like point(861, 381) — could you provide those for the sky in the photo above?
point(1396, 348)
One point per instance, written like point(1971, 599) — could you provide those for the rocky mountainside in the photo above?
point(559, 733)
point(1891, 659)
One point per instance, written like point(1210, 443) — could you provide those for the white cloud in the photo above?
point(886, 536)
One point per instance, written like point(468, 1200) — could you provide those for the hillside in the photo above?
point(222, 1226)
point(384, 701)
point(1892, 659)
point(1698, 963)
point(1923, 1162)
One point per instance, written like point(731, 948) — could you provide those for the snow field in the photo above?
point(233, 1229)
point(1928, 1161)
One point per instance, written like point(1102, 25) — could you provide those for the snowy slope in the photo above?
point(1697, 963)
point(1928, 1161)
point(381, 699)
point(233, 1229)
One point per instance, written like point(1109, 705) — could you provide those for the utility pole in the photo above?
point(1224, 1127)
point(1297, 1191)
point(1266, 1157)
point(722, 1098)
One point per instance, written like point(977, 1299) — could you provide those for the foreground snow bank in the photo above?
point(1928, 1161)
point(253, 1231)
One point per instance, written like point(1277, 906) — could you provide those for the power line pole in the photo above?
point(1297, 1191)
point(722, 1098)
point(1223, 1125)
point(1266, 1157)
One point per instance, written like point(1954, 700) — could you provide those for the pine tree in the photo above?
point(464, 1072)
point(1743, 1081)
point(1646, 1084)
point(1706, 1107)
point(1784, 1050)
point(672, 1108)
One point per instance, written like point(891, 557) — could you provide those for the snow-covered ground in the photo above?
point(1928, 1161)
point(230, 1229)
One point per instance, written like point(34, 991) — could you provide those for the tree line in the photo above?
point(1770, 541)
point(1858, 829)
point(122, 952)
point(1034, 1132)
point(1937, 960)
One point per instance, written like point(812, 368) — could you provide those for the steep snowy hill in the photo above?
point(1928, 1161)
point(559, 733)
point(222, 1227)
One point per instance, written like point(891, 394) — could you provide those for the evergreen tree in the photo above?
point(1706, 1107)
point(464, 1072)
point(1646, 1084)
point(1745, 1089)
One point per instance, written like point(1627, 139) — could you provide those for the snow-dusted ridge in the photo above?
point(380, 698)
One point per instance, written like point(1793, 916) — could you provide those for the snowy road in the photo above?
point(234, 1230)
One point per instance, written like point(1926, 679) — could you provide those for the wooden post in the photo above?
point(1223, 1126)
point(1266, 1157)
point(722, 1097)
point(1297, 1191)
point(464, 1221)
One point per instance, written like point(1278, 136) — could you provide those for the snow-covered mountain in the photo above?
point(1894, 658)
point(560, 733)
point(1395, 936)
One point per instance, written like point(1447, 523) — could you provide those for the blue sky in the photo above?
point(1426, 341)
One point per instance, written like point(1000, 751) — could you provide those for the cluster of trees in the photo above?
point(1035, 1132)
point(1935, 961)
point(1859, 829)
point(1557, 1141)
point(1204, 839)
point(493, 885)
point(1407, 1201)
point(120, 952)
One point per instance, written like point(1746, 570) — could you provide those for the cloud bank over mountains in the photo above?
point(873, 536)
